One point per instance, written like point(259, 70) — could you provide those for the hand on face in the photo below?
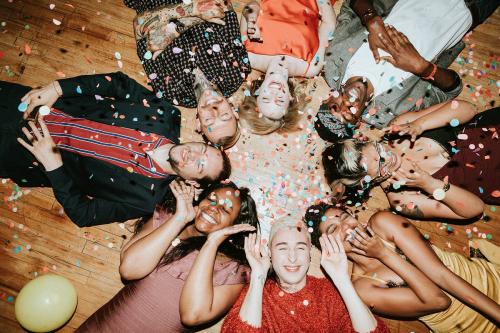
point(184, 195)
point(333, 257)
point(47, 95)
point(258, 255)
point(368, 245)
point(410, 174)
point(220, 235)
point(42, 146)
point(403, 54)
point(210, 10)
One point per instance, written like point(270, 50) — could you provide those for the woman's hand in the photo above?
point(46, 95)
point(220, 235)
point(42, 146)
point(376, 33)
point(410, 174)
point(184, 194)
point(414, 129)
point(333, 257)
point(212, 11)
point(403, 54)
point(251, 13)
point(368, 245)
point(258, 255)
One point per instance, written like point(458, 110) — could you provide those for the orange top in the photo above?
point(288, 27)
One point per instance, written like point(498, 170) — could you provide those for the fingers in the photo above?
point(333, 242)
point(358, 251)
point(156, 54)
point(376, 55)
point(387, 43)
point(25, 145)
point(339, 243)
point(389, 59)
point(217, 21)
point(398, 37)
point(35, 130)
point(43, 126)
point(175, 188)
point(27, 134)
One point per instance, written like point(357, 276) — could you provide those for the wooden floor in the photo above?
point(43, 40)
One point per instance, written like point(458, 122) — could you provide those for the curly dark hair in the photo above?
point(313, 218)
point(233, 246)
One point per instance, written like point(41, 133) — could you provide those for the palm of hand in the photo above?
point(334, 262)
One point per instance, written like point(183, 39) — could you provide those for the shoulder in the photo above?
point(386, 223)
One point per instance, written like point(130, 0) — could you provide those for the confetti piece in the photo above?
point(52, 6)
point(148, 55)
point(61, 74)
point(454, 122)
point(78, 89)
point(118, 56)
point(27, 49)
point(22, 107)
point(44, 110)
point(216, 48)
point(454, 105)
point(56, 22)
point(495, 194)
point(176, 50)
point(462, 136)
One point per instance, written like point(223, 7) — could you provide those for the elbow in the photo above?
point(475, 211)
point(440, 302)
point(128, 272)
point(192, 318)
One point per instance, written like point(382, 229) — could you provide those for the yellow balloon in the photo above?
point(46, 303)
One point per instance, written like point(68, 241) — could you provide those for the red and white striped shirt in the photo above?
point(123, 147)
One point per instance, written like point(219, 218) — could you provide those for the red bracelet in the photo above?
point(431, 75)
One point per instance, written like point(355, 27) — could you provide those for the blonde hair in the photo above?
point(287, 222)
point(259, 124)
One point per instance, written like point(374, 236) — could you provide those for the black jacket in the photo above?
point(92, 191)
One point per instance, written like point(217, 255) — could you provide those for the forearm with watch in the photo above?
point(365, 10)
point(457, 199)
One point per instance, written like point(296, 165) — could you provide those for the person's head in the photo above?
point(221, 205)
point(348, 104)
point(199, 162)
point(353, 166)
point(217, 119)
point(325, 218)
point(264, 111)
point(290, 248)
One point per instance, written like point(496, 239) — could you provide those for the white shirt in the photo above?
point(432, 26)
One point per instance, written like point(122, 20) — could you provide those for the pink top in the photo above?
point(151, 304)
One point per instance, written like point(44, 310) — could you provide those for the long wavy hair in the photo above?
point(233, 246)
point(344, 171)
point(259, 124)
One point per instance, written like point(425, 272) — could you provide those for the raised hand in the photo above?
point(368, 245)
point(251, 13)
point(414, 129)
point(376, 34)
point(403, 54)
point(410, 174)
point(220, 235)
point(257, 254)
point(333, 257)
point(46, 95)
point(184, 194)
point(42, 146)
point(210, 10)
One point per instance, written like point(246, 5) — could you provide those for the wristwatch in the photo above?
point(368, 15)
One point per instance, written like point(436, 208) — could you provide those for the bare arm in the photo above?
point(407, 238)
point(144, 251)
point(200, 301)
point(421, 298)
point(457, 204)
point(325, 33)
point(436, 116)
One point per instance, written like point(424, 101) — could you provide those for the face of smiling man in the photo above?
point(196, 160)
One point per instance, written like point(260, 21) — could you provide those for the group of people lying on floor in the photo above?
point(110, 149)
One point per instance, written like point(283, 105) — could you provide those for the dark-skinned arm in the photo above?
point(409, 240)
point(421, 298)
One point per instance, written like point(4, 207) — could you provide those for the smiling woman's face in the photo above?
point(341, 222)
point(219, 210)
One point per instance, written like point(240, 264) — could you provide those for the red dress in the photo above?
point(288, 27)
point(316, 308)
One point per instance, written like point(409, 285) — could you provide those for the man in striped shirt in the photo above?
point(108, 146)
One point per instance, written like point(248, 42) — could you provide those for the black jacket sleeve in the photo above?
point(117, 85)
point(87, 212)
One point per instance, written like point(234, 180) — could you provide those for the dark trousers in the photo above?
point(481, 10)
point(16, 162)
